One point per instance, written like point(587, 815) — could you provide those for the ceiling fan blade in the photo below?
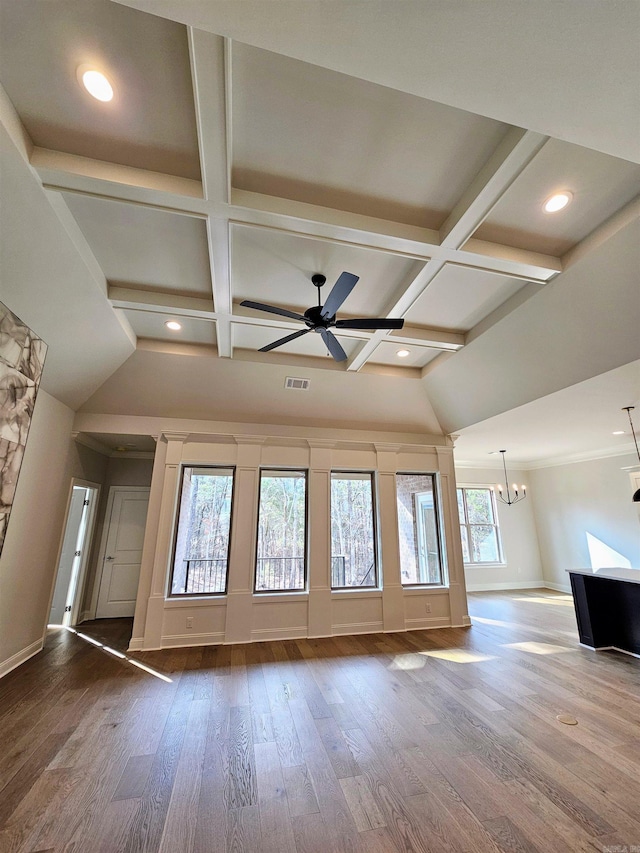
point(333, 345)
point(284, 340)
point(369, 324)
point(341, 289)
point(259, 306)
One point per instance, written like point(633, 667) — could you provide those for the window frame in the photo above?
point(440, 531)
point(183, 467)
point(305, 586)
point(471, 563)
point(376, 547)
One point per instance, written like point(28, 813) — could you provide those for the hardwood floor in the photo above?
point(443, 740)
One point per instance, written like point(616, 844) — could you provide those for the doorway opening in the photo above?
point(426, 519)
point(74, 553)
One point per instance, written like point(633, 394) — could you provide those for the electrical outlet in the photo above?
point(427, 607)
point(189, 621)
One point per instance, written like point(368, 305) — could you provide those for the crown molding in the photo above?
point(551, 461)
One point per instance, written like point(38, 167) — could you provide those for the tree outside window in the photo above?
point(353, 546)
point(282, 531)
point(201, 554)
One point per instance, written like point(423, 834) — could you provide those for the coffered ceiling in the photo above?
point(222, 171)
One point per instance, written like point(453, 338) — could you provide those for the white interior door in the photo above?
point(69, 556)
point(123, 552)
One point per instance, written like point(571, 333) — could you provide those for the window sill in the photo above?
point(273, 596)
point(437, 589)
point(485, 565)
point(204, 600)
point(357, 593)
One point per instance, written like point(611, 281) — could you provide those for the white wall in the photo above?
point(29, 557)
point(241, 615)
point(522, 565)
point(571, 500)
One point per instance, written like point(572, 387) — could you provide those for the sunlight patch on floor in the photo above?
point(457, 655)
point(117, 654)
point(407, 662)
point(563, 602)
point(486, 621)
point(538, 648)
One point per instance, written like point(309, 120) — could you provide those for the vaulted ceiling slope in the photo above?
point(241, 155)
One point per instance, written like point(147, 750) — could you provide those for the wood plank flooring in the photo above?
point(443, 740)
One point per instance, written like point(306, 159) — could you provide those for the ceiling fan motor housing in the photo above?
point(315, 320)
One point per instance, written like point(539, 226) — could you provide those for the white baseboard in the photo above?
point(347, 628)
point(427, 622)
point(487, 587)
point(20, 657)
point(609, 649)
point(135, 644)
point(293, 633)
point(558, 587)
point(85, 616)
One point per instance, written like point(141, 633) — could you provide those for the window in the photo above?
point(421, 560)
point(479, 525)
point(201, 554)
point(353, 545)
point(282, 534)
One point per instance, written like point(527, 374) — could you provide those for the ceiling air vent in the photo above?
point(296, 384)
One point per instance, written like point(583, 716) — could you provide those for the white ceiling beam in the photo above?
point(407, 241)
point(511, 157)
point(493, 257)
point(313, 220)
point(420, 336)
point(72, 173)
point(208, 71)
point(68, 173)
point(209, 67)
point(219, 256)
point(156, 302)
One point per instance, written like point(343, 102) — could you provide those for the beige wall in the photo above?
point(29, 558)
point(584, 497)
point(242, 616)
point(522, 566)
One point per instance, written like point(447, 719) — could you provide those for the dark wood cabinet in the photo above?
point(607, 610)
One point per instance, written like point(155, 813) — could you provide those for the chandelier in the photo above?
point(628, 410)
point(505, 496)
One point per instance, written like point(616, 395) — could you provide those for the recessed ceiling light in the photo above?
point(618, 432)
point(173, 325)
point(403, 353)
point(95, 83)
point(557, 201)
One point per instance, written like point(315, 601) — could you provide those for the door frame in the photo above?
point(86, 551)
point(102, 553)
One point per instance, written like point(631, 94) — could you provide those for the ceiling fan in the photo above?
point(321, 318)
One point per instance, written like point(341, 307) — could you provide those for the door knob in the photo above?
point(108, 558)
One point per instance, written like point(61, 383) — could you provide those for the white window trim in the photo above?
point(489, 564)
